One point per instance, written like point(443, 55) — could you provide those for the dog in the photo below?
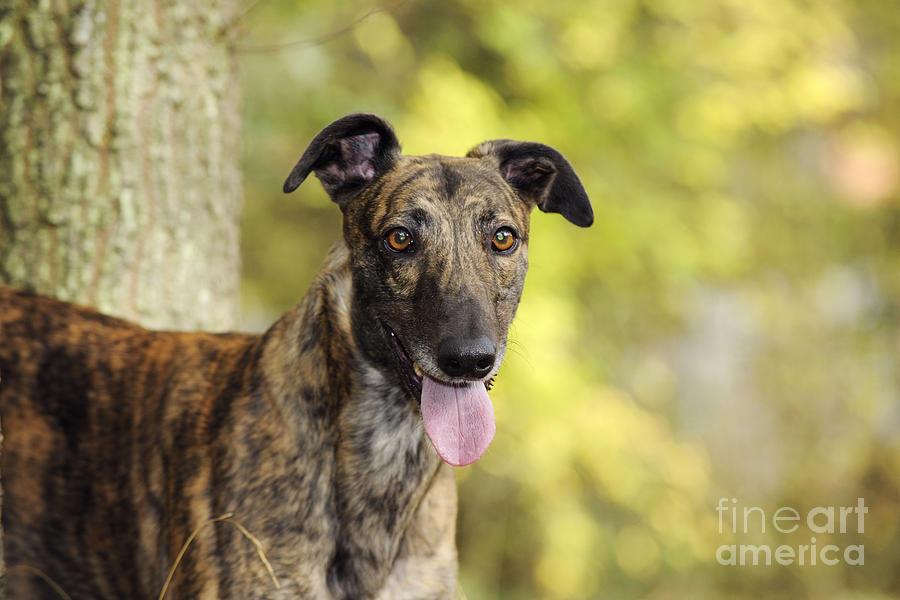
point(328, 439)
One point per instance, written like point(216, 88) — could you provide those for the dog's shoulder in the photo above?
point(27, 315)
point(49, 341)
point(19, 306)
point(34, 328)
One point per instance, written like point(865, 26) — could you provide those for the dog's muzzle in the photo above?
point(458, 417)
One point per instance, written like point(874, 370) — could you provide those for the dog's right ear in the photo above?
point(347, 156)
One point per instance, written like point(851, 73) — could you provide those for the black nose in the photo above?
point(458, 357)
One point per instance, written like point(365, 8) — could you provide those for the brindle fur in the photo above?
point(121, 441)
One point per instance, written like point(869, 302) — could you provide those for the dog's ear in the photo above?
point(347, 156)
point(541, 176)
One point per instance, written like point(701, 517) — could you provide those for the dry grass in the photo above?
point(49, 580)
point(226, 518)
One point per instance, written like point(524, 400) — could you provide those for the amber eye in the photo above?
point(504, 239)
point(398, 239)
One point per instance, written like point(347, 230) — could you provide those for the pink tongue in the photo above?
point(459, 420)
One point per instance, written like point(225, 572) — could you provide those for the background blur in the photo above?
point(729, 327)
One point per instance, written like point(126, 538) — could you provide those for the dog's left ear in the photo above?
point(347, 156)
point(541, 176)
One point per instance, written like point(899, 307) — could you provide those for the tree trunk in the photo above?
point(120, 181)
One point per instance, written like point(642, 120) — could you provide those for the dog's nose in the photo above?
point(458, 357)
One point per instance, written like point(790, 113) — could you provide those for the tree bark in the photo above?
point(120, 180)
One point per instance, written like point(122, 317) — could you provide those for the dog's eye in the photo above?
point(504, 239)
point(398, 239)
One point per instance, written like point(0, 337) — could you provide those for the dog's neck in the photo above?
point(382, 463)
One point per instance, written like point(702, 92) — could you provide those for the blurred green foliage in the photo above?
point(729, 327)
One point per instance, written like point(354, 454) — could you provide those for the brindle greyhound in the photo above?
point(324, 436)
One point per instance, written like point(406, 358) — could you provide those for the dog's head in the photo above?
point(439, 250)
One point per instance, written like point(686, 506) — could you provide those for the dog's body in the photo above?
point(121, 442)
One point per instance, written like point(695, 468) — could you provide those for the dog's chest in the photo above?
point(384, 466)
point(385, 427)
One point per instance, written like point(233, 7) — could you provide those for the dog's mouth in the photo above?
point(458, 416)
point(412, 373)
